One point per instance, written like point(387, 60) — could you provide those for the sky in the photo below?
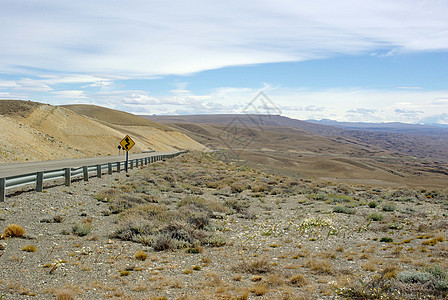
point(346, 60)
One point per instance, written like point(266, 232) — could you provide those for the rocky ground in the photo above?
point(194, 227)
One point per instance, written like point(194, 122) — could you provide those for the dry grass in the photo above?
point(323, 266)
point(141, 255)
point(434, 241)
point(255, 266)
point(370, 266)
point(259, 289)
point(298, 280)
point(65, 296)
point(13, 230)
point(29, 248)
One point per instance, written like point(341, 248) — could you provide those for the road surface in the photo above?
point(15, 169)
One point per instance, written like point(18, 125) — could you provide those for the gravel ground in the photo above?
point(267, 245)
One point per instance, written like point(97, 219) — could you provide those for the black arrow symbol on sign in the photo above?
point(127, 143)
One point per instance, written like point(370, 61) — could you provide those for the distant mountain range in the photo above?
point(397, 127)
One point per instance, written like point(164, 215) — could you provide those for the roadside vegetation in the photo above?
point(295, 236)
point(196, 227)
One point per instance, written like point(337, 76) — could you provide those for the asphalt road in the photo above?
point(15, 169)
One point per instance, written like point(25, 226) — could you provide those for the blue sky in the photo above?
point(371, 61)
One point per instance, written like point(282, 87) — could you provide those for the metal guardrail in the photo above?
point(68, 174)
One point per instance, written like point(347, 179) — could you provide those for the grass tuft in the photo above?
point(14, 230)
point(141, 255)
point(29, 248)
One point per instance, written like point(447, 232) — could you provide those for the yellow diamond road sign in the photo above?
point(127, 143)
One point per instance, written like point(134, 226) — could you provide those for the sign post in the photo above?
point(127, 143)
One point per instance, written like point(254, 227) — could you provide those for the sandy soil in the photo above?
point(32, 132)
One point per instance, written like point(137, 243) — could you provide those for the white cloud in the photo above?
point(441, 101)
point(439, 118)
point(70, 94)
point(142, 38)
point(32, 85)
point(314, 108)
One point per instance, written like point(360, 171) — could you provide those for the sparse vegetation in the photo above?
point(376, 217)
point(141, 255)
point(29, 248)
point(82, 229)
point(343, 210)
point(254, 266)
point(309, 239)
point(13, 230)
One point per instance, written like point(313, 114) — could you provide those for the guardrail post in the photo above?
point(136, 163)
point(98, 171)
point(109, 168)
point(132, 164)
point(40, 182)
point(118, 167)
point(85, 171)
point(68, 175)
point(2, 189)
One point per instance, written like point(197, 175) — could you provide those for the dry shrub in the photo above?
point(256, 266)
point(17, 287)
point(204, 204)
point(369, 266)
point(107, 195)
point(275, 279)
point(390, 271)
point(434, 241)
point(65, 295)
point(141, 255)
point(298, 280)
point(238, 187)
point(147, 211)
point(259, 188)
point(259, 289)
point(29, 248)
point(321, 266)
point(82, 229)
point(14, 230)
point(164, 242)
point(237, 277)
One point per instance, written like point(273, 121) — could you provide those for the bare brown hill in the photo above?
point(33, 131)
point(297, 147)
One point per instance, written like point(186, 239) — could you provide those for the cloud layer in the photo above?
point(100, 51)
point(140, 37)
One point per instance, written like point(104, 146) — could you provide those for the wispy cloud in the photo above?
point(409, 87)
point(441, 101)
point(136, 38)
point(70, 94)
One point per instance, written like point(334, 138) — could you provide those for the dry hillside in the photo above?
point(292, 147)
point(33, 131)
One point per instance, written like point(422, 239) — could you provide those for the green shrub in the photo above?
point(386, 240)
point(81, 229)
point(164, 242)
point(320, 197)
point(389, 207)
point(372, 204)
point(237, 205)
point(375, 217)
point(432, 280)
point(343, 210)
